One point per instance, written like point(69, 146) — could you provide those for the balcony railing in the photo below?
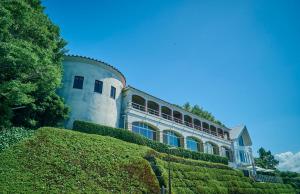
point(153, 112)
point(267, 178)
point(175, 119)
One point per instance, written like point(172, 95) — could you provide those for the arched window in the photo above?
point(194, 144)
point(177, 116)
point(166, 112)
point(225, 152)
point(220, 133)
point(171, 138)
point(145, 130)
point(211, 148)
point(197, 124)
point(213, 130)
point(153, 108)
point(188, 121)
point(205, 127)
point(138, 102)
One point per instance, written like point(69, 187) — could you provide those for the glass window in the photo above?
point(144, 130)
point(209, 148)
point(171, 138)
point(98, 86)
point(113, 92)
point(78, 82)
point(242, 156)
point(225, 152)
point(241, 141)
point(192, 144)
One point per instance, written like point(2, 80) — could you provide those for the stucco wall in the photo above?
point(86, 104)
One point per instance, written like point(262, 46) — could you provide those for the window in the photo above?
point(192, 144)
point(225, 152)
point(98, 86)
point(209, 149)
point(241, 141)
point(144, 130)
point(113, 92)
point(78, 82)
point(171, 139)
point(242, 156)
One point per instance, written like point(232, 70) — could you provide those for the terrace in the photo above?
point(173, 114)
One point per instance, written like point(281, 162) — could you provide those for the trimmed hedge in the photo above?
point(131, 137)
point(64, 161)
point(189, 178)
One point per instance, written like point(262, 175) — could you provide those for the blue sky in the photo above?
point(239, 60)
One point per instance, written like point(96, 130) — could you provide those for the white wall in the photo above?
point(86, 104)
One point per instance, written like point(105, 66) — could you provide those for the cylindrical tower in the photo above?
point(93, 91)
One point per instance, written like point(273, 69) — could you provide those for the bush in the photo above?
point(10, 136)
point(187, 161)
point(64, 161)
point(196, 178)
point(128, 136)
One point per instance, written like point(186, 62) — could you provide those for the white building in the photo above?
point(97, 92)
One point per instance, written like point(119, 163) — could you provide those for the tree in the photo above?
point(197, 110)
point(266, 159)
point(31, 52)
point(187, 107)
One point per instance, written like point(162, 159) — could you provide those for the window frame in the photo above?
point(78, 82)
point(100, 88)
point(113, 92)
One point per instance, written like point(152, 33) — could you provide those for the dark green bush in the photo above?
point(202, 179)
point(128, 136)
point(13, 135)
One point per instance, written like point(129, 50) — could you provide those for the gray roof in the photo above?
point(99, 61)
point(239, 130)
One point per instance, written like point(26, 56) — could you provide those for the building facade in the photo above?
point(97, 92)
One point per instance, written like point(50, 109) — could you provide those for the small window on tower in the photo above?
point(78, 82)
point(113, 92)
point(98, 86)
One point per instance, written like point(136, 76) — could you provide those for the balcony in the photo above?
point(166, 114)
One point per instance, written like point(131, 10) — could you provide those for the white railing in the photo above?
point(213, 133)
point(175, 119)
point(153, 112)
point(205, 130)
point(166, 116)
point(139, 107)
point(188, 124)
point(267, 178)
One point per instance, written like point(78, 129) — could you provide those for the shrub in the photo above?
point(131, 137)
point(64, 161)
point(10, 136)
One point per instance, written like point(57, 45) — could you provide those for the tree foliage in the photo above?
point(199, 111)
point(266, 159)
point(31, 52)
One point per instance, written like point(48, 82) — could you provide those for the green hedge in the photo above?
point(10, 136)
point(189, 178)
point(128, 136)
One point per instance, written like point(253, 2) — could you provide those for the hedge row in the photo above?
point(131, 137)
point(200, 179)
point(152, 154)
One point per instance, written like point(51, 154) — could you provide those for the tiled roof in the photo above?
point(89, 58)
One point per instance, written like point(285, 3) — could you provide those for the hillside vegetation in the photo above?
point(64, 161)
point(129, 136)
point(190, 177)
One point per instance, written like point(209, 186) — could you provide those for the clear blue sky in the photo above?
point(239, 60)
